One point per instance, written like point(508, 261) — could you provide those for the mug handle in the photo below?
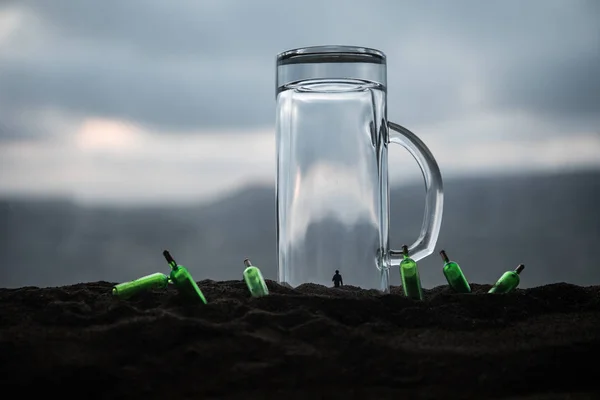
point(434, 194)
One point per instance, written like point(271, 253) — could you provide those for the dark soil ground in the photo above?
point(306, 343)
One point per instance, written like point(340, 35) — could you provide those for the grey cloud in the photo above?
point(569, 90)
point(188, 64)
point(14, 125)
point(206, 28)
point(541, 57)
point(156, 95)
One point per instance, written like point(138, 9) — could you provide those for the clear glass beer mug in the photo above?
point(332, 169)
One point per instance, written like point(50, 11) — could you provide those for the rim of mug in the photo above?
point(331, 53)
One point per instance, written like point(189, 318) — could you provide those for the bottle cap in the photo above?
point(520, 268)
point(444, 256)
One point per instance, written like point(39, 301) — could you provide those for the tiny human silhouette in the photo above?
point(337, 279)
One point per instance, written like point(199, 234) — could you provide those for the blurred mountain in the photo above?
point(551, 223)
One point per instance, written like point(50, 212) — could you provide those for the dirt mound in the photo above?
point(308, 342)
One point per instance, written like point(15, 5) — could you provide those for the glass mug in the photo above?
point(332, 169)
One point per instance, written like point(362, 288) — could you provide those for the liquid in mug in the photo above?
point(332, 189)
point(338, 154)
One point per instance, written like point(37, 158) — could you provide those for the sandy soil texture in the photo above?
point(306, 343)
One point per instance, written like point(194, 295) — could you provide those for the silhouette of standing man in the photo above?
point(337, 279)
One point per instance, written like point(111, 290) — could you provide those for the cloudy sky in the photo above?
point(127, 101)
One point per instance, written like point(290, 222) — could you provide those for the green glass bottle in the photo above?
point(183, 280)
point(411, 282)
point(508, 281)
point(127, 290)
point(254, 280)
point(454, 275)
